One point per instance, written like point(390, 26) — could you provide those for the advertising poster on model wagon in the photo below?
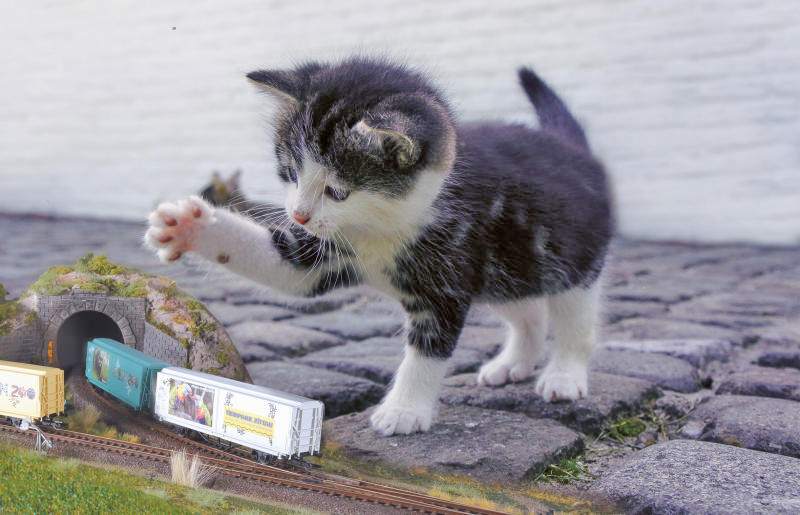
point(255, 422)
point(191, 401)
point(19, 394)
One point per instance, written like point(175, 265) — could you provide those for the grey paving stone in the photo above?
point(332, 301)
point(352, 326)
point(658, 292)
point(665, 371)
point(279, 338)
point(230, 314)
point(663, 328)
point(464, 441)
point(780, 359)
point(614, 311)
point(609, 396)
point(745, 304)
point(763, 382)
point(377, 359)
point(760, 423)
point(698, 352)
point(681, 477)
point(341, 393)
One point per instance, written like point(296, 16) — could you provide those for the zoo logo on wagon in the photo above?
point(17, 393)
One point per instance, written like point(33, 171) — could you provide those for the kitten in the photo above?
point(382, 187)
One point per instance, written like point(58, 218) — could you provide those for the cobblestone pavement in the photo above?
point(701, 343)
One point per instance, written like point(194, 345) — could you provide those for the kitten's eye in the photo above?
point(337, 195)
point(292, 174)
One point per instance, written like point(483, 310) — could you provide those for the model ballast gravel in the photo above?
point(270, 422)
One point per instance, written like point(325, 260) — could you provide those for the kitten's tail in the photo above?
point(553, 114)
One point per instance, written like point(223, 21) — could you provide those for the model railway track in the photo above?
point(358, 490)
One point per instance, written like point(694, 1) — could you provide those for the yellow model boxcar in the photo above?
point(30, 391)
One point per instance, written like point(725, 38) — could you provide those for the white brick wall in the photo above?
point(693, 105)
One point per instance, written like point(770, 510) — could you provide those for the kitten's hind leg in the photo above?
point(527, 330)
point(573, 316)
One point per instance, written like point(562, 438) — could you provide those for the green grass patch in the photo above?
point(33, 483)
point(36, 484)
point(87, 420)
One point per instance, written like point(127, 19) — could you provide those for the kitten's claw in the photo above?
point(175, 228)
point(560, 385)
point(389, 419)
point(502, 369)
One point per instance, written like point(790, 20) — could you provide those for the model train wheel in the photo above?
point(265, 458)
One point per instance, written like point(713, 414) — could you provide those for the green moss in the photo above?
point(9, 310)
point(137, 288)
point(223, 359)
point(5, 328)
point(212, 371)
point(3, 293)
point(198, 327)
point(31, 317)
point(625, 428)
point(93, 286)
point(46, 283)
point(194, 305)
point(238, 374)
point(184, 342)
point(170, 292)
point(100, 265)
point(164, 328)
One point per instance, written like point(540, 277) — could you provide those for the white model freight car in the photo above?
point(269, 421)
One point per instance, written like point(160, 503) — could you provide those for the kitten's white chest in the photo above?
point(377, 257)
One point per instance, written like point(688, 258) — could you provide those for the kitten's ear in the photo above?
point(396, 145)
point(281, 84)
point(233, 182)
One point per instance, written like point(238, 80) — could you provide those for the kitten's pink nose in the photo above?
point(301, 218)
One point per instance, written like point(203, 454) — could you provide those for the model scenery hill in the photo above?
point(168, 308)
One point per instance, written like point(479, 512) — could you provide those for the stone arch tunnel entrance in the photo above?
point(75, 331)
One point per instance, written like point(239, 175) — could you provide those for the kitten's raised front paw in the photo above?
point(503, 369)
point(174, 228)
point(560, 385)
point(389, 419)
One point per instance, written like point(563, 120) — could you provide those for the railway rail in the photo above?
point(323, 483)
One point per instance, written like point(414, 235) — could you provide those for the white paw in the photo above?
point(560, 385)
point(502, 369)
point(389, 419)
point(175, 228)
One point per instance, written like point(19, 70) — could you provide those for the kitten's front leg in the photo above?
point(270, 257)
point(410, 405)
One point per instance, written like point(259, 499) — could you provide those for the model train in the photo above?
point(30, 393)
point(272, 423)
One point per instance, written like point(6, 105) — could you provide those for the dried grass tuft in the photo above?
point(189, 473)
